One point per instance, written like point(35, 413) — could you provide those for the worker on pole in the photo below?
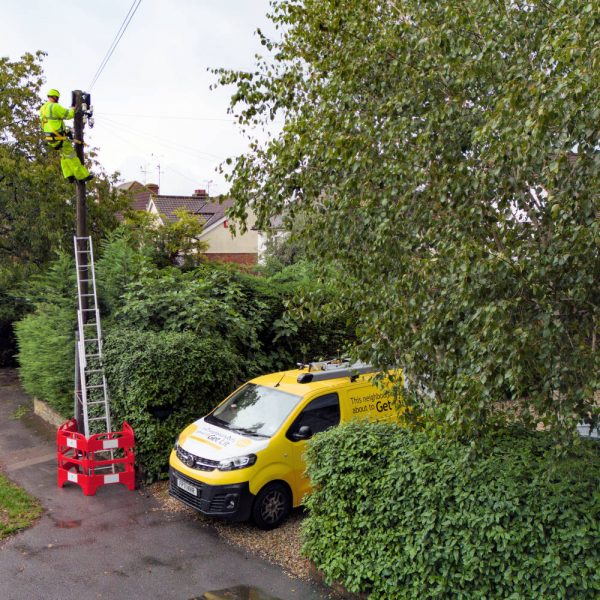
point(52, 117)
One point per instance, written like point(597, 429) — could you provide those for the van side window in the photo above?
point(320, 414)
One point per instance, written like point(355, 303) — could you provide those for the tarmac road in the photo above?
point(117, 544)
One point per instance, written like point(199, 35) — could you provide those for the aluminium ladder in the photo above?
point(91, 391)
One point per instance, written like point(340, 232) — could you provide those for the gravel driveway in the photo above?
point(279, 546)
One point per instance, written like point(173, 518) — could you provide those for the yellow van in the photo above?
point(245, 459)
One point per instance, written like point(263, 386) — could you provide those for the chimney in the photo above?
point(200, 194)
point(152, 187)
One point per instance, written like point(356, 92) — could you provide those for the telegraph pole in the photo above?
point(78, 131)
point(81, 231)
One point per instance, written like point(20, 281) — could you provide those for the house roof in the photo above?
point(211, 212)
point(130, 186)
point(140, 193)
point(199, 204)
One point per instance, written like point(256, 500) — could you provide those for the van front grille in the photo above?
point(195, 462)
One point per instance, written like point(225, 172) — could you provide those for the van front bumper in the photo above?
point(233, 501)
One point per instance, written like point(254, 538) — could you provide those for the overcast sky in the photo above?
point(152, 101)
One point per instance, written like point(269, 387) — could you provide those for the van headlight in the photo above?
point(237, 462)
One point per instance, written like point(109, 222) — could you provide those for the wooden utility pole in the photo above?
point(81, 231)
point(78, 126)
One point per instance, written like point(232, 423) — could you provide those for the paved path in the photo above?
point(117, 544)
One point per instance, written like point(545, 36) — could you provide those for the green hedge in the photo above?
point(398, 514)
point(176, 343)
point(160, 382)
point(46, 341)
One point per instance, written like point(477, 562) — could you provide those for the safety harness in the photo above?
point(54, 139)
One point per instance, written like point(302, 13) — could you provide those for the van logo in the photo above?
point(186, 457)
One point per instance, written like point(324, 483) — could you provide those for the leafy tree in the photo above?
point(168, 242)
point(445, 159)
point(37, 205)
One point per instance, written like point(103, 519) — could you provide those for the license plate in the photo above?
point(190, 489)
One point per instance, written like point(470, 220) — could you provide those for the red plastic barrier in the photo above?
point(90, 462)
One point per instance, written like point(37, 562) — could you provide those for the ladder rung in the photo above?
point(97, 419)
point(95, 402)
point(94, 370)
point(92, 355)
point(86, 295)
point(94, 387)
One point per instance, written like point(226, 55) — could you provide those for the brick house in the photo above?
point(222, 245)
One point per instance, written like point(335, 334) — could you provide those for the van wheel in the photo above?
point(272, 506)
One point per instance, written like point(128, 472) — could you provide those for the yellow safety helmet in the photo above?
point(54, 93)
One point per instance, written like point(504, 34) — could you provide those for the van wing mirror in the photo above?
point(304, 433)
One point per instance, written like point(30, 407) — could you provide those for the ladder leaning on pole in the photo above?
point(89, 452)
point(91, 392)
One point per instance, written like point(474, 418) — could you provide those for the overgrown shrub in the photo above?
point(120, 264)
point(160, 381)
point(176, 342)
point(401, 515)
point(46, 341)
point(46, 337)
point(249, 312)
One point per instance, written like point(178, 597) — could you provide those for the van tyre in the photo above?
point(272, 506)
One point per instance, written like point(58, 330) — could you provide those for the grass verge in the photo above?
point(18, 510)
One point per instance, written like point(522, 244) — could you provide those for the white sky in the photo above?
point(152, 102)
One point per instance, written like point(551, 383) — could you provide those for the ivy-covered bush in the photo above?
point(160, 381)
point(399, 514)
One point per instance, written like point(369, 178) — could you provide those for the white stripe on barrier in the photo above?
point(72, 442)
point(72, 477)
point(108, 444)
point(111, 478)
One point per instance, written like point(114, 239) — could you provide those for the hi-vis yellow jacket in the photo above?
point(53, 115)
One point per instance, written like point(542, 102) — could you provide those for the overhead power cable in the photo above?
point(124, 134)
point(132, 10)
point(164, 141)
point(169, 117)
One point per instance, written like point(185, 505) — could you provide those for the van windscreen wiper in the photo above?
point(216, 421)
point(247, 431)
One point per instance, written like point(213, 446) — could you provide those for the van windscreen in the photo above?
point(255, 410)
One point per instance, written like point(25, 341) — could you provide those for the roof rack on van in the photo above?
point(333, 369)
